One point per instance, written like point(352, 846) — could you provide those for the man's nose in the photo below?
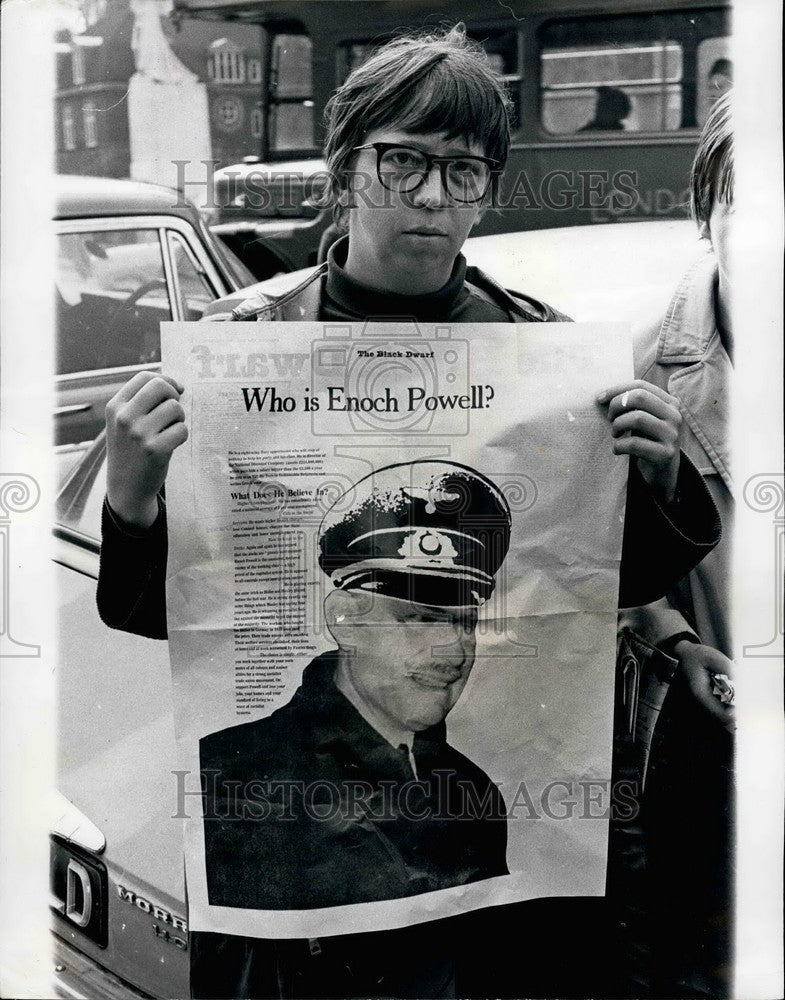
point(430, 193)
point(450, 641)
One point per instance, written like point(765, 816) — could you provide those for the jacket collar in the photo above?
point(353, 297)
point(700, 379)
point(297, 296)
point(689, 324)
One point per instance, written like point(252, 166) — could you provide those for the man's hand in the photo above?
point(645, 423)
point(144, 424)
point(700, 663)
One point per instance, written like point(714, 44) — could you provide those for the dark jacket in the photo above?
point(321, 804)
point(298, 297)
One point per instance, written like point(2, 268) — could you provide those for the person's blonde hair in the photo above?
point(712, 176)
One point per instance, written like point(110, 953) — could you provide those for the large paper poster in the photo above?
point(392, 592)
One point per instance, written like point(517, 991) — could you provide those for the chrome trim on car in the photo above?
point(64, 411)
point(152, 366)
point(76, 976)
point(77, 910)
point(77, 552)
point(73, 826)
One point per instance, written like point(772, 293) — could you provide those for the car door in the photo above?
point(117, 856)
point(117, 279)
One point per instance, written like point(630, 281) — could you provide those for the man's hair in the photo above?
point(724, 66)
point(712, 176)
point(439, 82)
point(612, 105)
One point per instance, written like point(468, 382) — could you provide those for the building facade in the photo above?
point(95, 67)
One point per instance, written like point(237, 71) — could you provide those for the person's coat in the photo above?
point(684, 355)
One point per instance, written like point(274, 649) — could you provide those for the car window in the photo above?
point(111, 294)
point(194, 292)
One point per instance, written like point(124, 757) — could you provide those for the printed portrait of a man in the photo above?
point(351, 792)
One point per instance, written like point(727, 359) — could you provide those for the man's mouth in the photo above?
point(428, 231)
point(435, 680)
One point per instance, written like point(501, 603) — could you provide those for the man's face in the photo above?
point(719, 83)
point(406, 663)
point(407, 242)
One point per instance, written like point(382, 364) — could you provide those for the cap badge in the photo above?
point(432, 495)
point(431, 546)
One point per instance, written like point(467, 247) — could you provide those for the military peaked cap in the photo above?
point(431, 532)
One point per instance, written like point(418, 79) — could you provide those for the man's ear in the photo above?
point(343, 611)
point(341, 209)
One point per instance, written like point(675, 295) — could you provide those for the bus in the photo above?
point(609, 96)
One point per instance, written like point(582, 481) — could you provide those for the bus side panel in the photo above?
point(548, 186)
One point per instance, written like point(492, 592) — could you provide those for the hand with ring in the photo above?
point(709, 673)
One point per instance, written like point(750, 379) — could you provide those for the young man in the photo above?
point(416, 139)
point(690, 354)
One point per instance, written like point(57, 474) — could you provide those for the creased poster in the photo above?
point(392, 591)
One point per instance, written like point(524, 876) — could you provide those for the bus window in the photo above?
point(504, 52)
point(612, 86)
point(291, 93)
point(714, 74)
point(291, 126)
point(354, 55)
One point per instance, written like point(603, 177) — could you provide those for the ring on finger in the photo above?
point(724, 689)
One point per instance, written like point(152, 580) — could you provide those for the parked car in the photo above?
point(117, 874)
point(129, 255)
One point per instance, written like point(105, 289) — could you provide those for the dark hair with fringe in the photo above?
point(438, 82)
point(712, 176)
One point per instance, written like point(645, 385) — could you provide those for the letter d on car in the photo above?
point(79, 894)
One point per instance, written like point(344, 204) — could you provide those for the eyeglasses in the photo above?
point(404, 169)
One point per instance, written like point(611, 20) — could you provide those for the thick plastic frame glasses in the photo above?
point(413, 177)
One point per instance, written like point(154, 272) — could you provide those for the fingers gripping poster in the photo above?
point(391, 593)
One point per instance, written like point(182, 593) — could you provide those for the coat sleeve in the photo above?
point(658, 623)
point(131, 593)
point(662, 543)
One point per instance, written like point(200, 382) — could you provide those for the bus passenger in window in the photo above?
point(612, 109)
point(720, 78)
